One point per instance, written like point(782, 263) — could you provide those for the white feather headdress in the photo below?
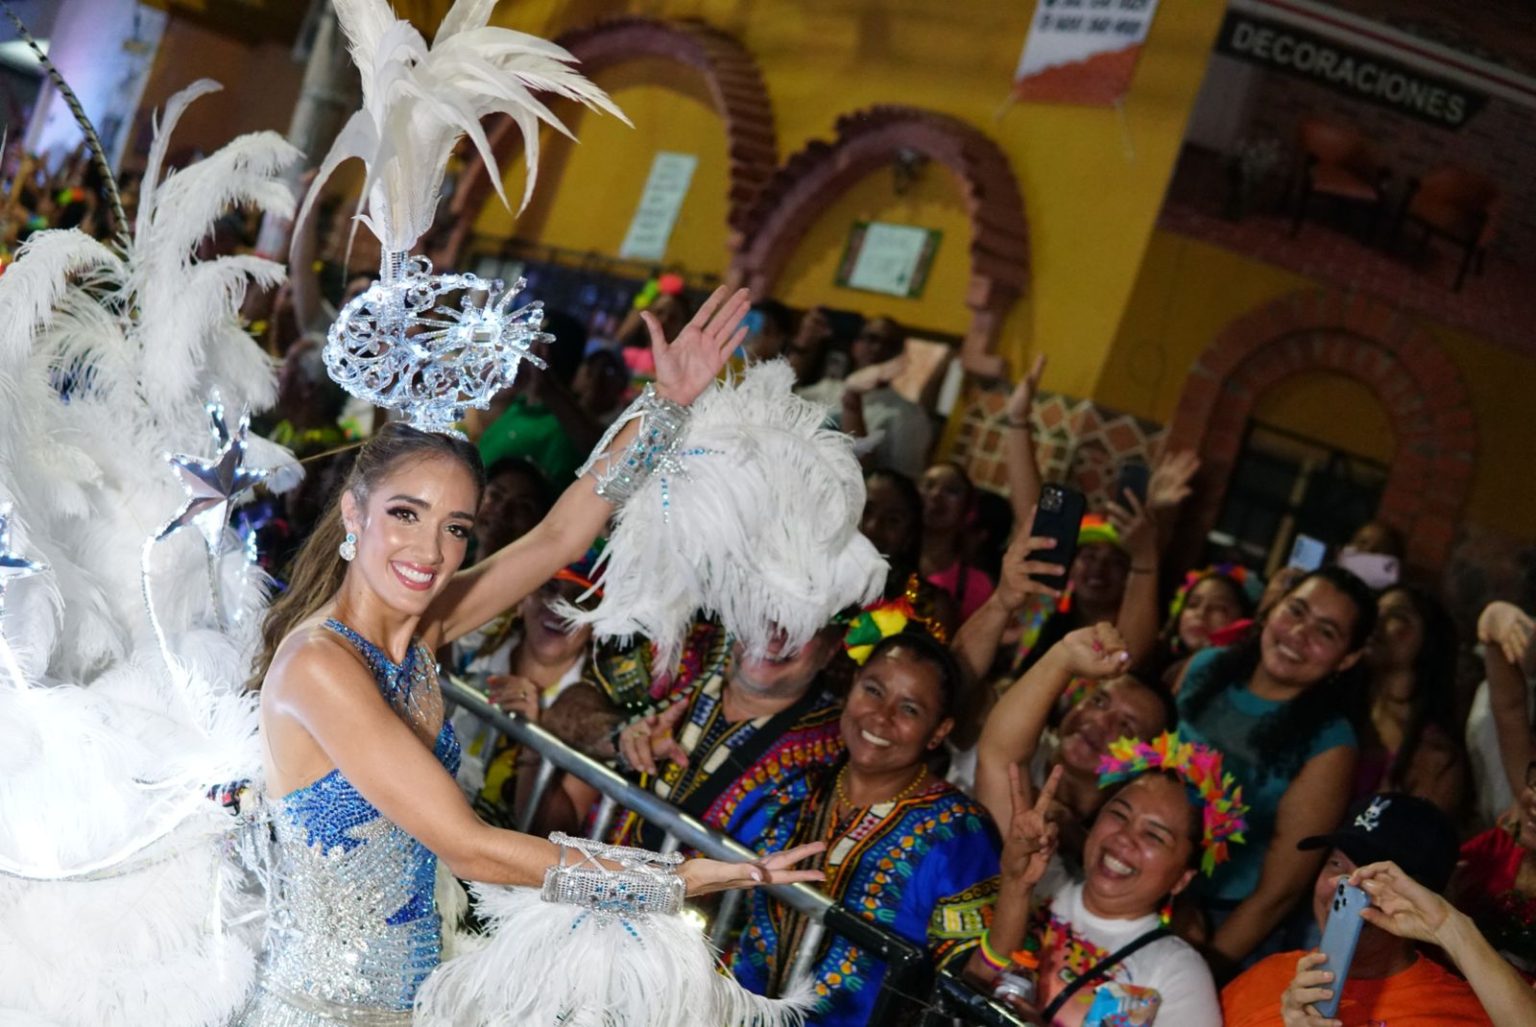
point(418, 101)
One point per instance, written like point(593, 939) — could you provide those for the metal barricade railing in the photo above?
point(909, 973)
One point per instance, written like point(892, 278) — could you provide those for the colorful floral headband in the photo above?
point(1218, 794)
point(1251, 584)
point(876, 623)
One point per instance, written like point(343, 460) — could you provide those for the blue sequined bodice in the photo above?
point(352, 927)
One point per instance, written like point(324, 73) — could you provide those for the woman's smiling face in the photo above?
point(1140, 848)
point(895, 712)
point(412, 529)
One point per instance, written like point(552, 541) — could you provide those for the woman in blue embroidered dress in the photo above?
point(903, 844)
point(359, 756)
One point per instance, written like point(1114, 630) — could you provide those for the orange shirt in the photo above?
point(1424, 995)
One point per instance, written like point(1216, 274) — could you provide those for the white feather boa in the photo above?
point(550, 963)
point(757, 524)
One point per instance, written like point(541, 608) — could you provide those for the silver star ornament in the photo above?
point(213, 486)
point(13, 566)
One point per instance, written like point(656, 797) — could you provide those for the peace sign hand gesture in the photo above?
point(686, 365)
point(1032, 836)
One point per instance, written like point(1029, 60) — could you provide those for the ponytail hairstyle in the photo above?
point(317, 571)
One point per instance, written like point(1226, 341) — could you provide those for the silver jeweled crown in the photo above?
point(397, 345)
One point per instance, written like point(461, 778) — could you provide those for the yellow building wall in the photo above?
point(1189, 291)
point(588, 190)
point(1092, 179)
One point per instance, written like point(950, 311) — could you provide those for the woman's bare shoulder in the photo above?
point(313, 656)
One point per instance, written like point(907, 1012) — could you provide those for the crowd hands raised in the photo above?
point(1010, 759)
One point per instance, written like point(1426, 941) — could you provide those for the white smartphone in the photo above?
point(1375, 569)
point(1340, 936)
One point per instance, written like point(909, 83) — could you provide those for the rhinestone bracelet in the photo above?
point(661, 425)
point(645, 882)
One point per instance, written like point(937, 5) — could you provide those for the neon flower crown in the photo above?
point(1218, 794)
point(1251, 584)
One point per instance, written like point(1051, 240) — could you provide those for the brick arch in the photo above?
point(1364, 339)
point(735, 85)
point(873, 138)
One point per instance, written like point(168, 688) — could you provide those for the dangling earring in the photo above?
point(1165, 915)
point(348, 548)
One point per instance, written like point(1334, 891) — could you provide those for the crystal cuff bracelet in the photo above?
point(661, 425)
point(646, 882)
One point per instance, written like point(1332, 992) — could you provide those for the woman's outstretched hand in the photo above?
point(686, 365)
point(711, 875)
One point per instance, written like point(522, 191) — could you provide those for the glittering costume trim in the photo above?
point(352, 923)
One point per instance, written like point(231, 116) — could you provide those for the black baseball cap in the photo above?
point(1409, 831)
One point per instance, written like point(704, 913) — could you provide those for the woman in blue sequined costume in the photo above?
point(359, 756)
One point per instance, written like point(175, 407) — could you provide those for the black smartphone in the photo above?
point(1059, 516)
point(1134, 477)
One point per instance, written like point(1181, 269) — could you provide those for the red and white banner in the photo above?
point(1082, 51)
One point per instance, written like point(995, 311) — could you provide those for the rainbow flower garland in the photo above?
point(1218, 794)
point(1251, 584)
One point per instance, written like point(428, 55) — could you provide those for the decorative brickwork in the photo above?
point(1076, 441)
point(1370, 341)
point(873, 138)
point(735, 84)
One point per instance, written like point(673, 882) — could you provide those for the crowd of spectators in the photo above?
point(950, 745)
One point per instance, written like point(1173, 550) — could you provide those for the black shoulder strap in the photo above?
point(749, 752)
point(1098, 969)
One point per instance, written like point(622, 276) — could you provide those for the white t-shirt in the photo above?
point(1167, 973)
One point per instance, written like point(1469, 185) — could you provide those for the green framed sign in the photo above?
point(892, 260)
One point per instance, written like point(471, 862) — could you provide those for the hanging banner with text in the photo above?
point(1082, 51)
point(651, 227)
point(1348, 70)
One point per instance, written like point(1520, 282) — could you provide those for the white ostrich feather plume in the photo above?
point(659, 973)
point(418, 101)
point(757, 522)
point(113, 890)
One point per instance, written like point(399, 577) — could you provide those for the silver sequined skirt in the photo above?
point(272, 1008)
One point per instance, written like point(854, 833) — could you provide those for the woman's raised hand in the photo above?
point(1401, 905)
point(1032, 835)
point(1096, 652)
point(1136, 525)
point(686, 365)
point(1021, 401)
point(1017, 581)
point(704, 876)
point(1506, 627)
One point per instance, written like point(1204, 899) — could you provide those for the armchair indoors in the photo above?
point(1458, 205)
point(1337, 162)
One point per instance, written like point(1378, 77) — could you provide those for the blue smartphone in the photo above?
point(1340, 935)
point(1308, 553)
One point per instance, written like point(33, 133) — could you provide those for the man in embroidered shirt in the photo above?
point(719, 734)
point(1389, 984)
